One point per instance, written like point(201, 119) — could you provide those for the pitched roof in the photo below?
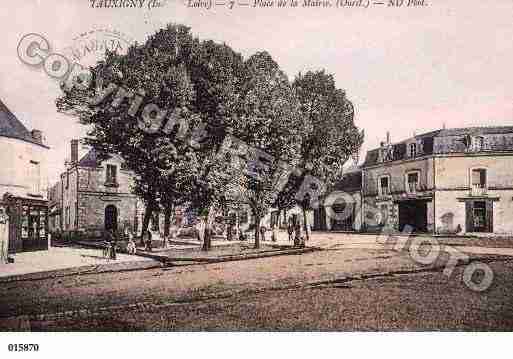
point(93, 159)
point(10, 126)
point(491, 130)
point(372, 155)
point(90, 159)
point(350, 181)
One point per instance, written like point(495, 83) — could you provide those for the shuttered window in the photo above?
point(479, 178)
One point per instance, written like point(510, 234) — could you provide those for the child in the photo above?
point(131, 247)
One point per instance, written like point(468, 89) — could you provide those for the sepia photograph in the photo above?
point(285, 167)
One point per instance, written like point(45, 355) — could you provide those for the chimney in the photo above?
point(388, 137)
point(37, 136)
point(74, 151)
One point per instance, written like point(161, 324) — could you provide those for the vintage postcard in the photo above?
point(255, 166)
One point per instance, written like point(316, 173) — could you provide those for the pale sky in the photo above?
point(407, 70)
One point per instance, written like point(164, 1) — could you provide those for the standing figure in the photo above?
point(274, 233)
point(131, 247)
point(290, 230)
point(200, 229)
point(4, 237)
point(298, 238)
point(262, 233)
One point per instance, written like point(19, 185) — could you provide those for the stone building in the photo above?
point(23, 183)
point(445, 181)
point(95, 195)
point(340, 210)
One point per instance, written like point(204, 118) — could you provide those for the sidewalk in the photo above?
point(57, 259)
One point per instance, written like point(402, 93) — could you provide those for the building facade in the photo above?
point(341, 209)
point(23, 183)
point(94, 195)
point(450, 181)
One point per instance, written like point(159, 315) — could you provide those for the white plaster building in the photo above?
point(23, 183)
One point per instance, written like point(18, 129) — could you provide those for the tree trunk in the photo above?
point(305, 220)
point(207, 236)
point(168, 212)
point(237, 226)
point(257, 231)
point(146, 221)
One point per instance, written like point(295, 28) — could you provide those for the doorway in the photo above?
point(111, 218)
point(479, 216)
point(414, 214)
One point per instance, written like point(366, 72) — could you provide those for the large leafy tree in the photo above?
point(126, 107)
point(328, 143)
point(216, 73)
point(191, 88)
point(270, 129)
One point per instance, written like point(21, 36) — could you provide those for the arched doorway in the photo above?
point(111, 218)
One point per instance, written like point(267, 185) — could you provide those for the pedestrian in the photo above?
point(4, 237)
point(200, 229)
point(131, 248)
point(111, 244)
point(298, 238)
point(290, 230)
point(262, 233)
point(274, 233)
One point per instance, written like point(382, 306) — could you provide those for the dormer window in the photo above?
point(111, 175)
point(478, 143)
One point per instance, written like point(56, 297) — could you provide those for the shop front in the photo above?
point(28, 224)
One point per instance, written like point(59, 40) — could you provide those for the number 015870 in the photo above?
point(23, 347)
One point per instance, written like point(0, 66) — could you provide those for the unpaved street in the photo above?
point(349, 286)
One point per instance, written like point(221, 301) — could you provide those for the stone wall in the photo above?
point(91, 210)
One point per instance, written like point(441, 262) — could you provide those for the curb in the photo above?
point(142, 265)
point(231, 258)
point(87, 269)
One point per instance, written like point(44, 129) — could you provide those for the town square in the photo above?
point(162, 171)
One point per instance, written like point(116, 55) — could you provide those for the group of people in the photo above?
point(131, 247)
point(296, 233)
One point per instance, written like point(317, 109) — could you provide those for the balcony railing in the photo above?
point(384, 191)
point(478, 190)
point(413, 187)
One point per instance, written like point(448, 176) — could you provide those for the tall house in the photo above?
point(446, 181)
point(23, 183)
point(94, 194)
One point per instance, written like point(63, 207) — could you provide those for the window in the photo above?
point(412, 182)
point(35, 177)
point(413, 150)
point(111, 174)
point(383, 209)
point(384, 186)
point(478, 182)
point(67, 179)
point(478, 143)
point(479, 178)
point(479, 216)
